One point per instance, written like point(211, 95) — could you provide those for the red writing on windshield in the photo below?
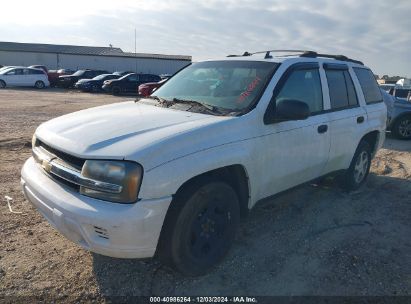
point(249, 90)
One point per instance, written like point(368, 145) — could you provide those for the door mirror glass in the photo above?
point(291, 109)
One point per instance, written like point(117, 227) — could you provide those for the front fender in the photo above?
point(167, 178)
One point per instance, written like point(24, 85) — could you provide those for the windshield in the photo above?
point(79, 73)
point(233, 85)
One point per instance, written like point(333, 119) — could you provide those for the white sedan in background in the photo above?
point(23, 77)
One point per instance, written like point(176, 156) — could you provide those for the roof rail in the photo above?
point(337, 57)
point(303, 53)
point(267, 53)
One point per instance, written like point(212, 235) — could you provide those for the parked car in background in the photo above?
point(68, 81)
point(122, 73)
point(401, 93)
point(146, 89)
point(165, 76)
point(95, 84)
point(52, 75)
point(128, 83)
point(399, 115)
point(387, 87)
point(173, 175)
point(23, 77)
point(7, 67)
point(66, 72)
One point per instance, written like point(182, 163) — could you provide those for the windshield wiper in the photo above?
point(209, 108)
point(162, 101)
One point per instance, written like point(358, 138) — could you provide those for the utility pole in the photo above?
point(135, 46)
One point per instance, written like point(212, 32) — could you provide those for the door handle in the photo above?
point(322, 129)
point(360, 119)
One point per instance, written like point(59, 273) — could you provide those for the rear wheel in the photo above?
point(200, 227)
point(402, 127)
point(359, 167)
point(39, 84)
point(2, 84)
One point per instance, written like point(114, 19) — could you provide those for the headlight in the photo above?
point(123, 175)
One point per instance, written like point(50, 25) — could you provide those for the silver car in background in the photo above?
point(399, 115)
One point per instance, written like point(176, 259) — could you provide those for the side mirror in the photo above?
point(285, 110)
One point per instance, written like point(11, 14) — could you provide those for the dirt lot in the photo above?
point(314, 240)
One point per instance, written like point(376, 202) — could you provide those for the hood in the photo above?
point(84, 80)
point(119, 130)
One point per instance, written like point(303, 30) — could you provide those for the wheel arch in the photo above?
point(372, 138)
point(234, 175)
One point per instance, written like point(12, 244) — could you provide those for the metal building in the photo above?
point(87, 57)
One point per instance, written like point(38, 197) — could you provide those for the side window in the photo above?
point(145, 78)
point(369, 85)
point(16, 72)
point(12, 72)
point(342, 92)
point(303, 85)
point(352, 94)
point(132, 78)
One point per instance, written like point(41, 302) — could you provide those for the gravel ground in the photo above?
point(312, 240)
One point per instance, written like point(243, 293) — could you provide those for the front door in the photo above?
point(131, 83)
point(296, 151)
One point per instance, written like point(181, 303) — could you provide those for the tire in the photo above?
point(39, 84)
point(359, 168)
point(402, 127)
point(200, 227)
point(116, 91)
point(2, 84)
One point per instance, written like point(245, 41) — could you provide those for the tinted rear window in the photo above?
point(369, 85)
point(401, 93)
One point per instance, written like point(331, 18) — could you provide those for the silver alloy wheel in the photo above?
point(404, 128)
point(39, 84)
point(361, 167)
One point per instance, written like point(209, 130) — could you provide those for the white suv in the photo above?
point(171, 175)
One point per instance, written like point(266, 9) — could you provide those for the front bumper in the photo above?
point(112, 229)
point(106, 88)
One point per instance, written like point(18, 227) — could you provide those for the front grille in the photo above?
point(65, 160)
point(72, 161)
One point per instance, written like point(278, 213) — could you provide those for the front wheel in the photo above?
point(359, 167)
point(200, 227)
point(402, 128)
point(39, 84)
point(2, 84)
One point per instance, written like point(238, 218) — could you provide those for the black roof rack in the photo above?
point(303, 53)
point(337, 57)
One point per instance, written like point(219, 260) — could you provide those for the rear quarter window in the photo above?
point(369, 85)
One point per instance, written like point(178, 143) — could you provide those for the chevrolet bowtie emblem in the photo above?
point(46, 164)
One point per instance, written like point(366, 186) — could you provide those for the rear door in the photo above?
point(347, 118)
point(28, 77)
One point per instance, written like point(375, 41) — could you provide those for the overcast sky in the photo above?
point(374, 31)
